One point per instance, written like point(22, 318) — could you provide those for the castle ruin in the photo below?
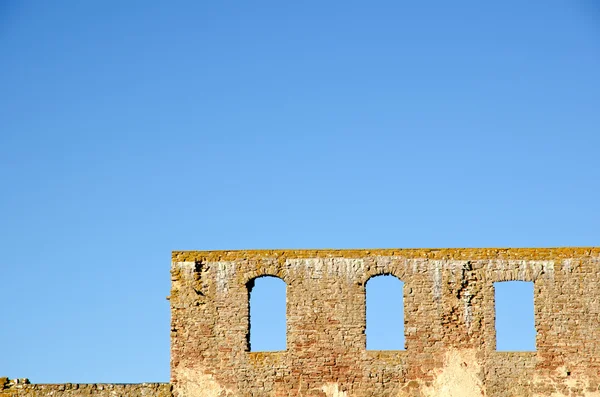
point(449, 320)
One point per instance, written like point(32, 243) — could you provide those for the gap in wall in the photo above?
point(267, 322)
point(385, 313)
point(515, 320)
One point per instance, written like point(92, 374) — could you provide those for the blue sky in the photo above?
point(128, 130)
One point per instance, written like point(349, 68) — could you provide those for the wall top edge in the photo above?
point(421, 253)
point(14, 384)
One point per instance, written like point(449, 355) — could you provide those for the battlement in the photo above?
point(449, 323)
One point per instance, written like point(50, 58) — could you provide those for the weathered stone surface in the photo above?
point(20, 389)
point(449, 324)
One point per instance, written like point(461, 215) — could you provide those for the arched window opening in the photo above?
point(385, 313)
point(267, 314)
point(515, 320)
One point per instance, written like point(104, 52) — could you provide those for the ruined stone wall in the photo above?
point(22, 388)
point(448, 314)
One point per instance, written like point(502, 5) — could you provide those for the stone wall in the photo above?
point(449, 324)
point(22, 388)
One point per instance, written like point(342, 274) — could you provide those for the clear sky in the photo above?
point(130, 129)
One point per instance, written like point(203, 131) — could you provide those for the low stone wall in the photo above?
point(22, 388)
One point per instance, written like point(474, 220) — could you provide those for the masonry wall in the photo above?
point(14, 388)
point(449, 324)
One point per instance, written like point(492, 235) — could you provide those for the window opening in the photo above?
point(385, 313)
point(515, 320)
point(267, 314)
